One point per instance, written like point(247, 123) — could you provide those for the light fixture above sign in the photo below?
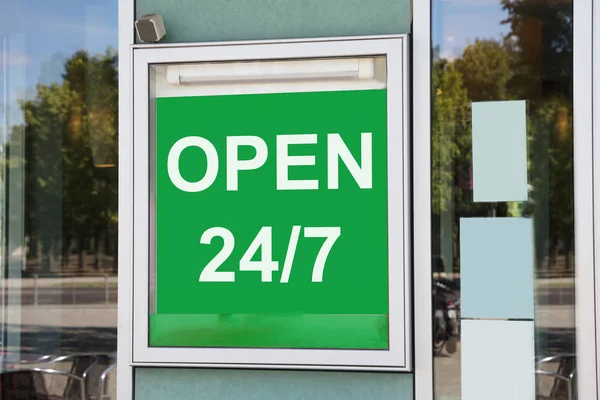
point(364, 68)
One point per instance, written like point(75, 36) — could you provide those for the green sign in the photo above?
point(272, 221)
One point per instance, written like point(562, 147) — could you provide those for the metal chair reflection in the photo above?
point(564, 386)
point(86, 378)
point(30, 384)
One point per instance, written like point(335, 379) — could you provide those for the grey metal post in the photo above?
point(106, 289)
point(35, 289)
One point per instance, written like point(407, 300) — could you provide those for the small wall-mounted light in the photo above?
point(150, 28)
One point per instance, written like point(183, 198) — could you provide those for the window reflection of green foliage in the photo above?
point(533, 63)
point(64, 123)
point(450, 131)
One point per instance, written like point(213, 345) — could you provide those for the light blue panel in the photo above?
point(219, 20)
point(496, 279)
point(499, 151)
point(497, 360)
point(174, 383)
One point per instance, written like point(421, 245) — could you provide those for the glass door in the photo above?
point(510, 196)
point(58, 199)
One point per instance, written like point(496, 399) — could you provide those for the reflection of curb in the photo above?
point(47, 307)
point(88, 317)
point(555, 283)
point(80, 282)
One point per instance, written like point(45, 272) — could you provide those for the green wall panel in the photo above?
point(173, 383)
point(217, 20)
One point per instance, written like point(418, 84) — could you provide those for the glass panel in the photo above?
point(502, 73)
point(58, 195)
point(246, 113)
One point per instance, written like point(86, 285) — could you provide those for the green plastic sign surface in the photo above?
point(272, 221)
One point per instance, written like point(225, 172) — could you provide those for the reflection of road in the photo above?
point(66, 329)
point(62, 330)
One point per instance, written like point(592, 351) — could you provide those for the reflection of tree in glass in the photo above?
point(541, 45)
point(486, 70)
point(450, 129)
point(70, 133)
point(541, 41)
point(533, 63)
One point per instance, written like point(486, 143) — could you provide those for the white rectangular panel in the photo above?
point(498, 360)
point(499, 151)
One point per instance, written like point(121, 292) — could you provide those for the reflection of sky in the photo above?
point(41, 34)
point(37, 37)
point(457, 23)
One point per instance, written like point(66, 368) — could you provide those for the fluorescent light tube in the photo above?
point(272, 71)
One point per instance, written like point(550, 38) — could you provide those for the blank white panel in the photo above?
point(499, 151)
point(498, 360)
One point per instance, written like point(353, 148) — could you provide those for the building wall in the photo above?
point(171, 383)
point(210, 20)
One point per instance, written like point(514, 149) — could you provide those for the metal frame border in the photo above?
point(421, 134)
point(126, 11)
point(586, 69)
point(586, 192)
point(399, 356)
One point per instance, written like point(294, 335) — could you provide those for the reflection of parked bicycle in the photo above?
point(446, 325)
point(563, 376)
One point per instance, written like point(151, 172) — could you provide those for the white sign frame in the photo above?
point(399, 355)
